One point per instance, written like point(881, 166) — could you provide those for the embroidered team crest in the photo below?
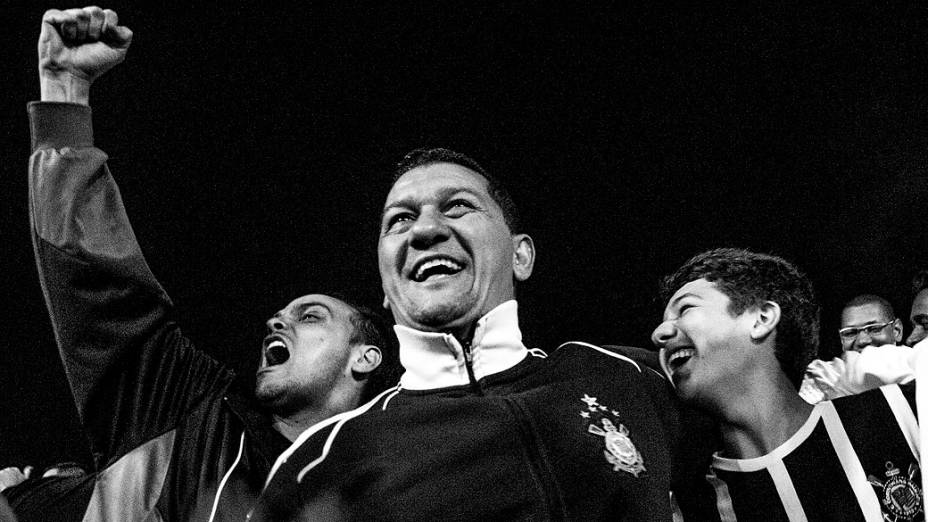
point(620, 450)
point(900, 496)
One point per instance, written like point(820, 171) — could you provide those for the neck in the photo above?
point(464, 333)
point(292, 425)
point(762, 418)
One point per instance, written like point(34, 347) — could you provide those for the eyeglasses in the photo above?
point(851, 332)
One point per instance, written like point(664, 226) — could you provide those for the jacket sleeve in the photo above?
point(132, 372)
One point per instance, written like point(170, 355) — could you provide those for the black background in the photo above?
point(253, 143)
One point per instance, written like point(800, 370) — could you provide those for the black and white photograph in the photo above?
point(463, 261)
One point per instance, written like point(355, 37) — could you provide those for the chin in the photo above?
point(443, 318)
point(263, 394)
point(267, 393)
point(684, 392)
point(441, 315)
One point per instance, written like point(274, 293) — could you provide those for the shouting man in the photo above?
point(173, 436)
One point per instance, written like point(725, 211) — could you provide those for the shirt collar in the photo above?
point(436, 360)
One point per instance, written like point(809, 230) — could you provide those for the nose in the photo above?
point(862, 340)
point(663, 334)
point(275, 323)
point(429, 228)
point(918, 333)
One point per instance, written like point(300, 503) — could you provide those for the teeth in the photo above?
point(436, 262)
point(276, 352)
point(681, 354)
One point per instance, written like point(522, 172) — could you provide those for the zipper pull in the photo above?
point(469, 365)
point(468, 357)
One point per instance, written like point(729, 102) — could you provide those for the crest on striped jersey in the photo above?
point(899, 493)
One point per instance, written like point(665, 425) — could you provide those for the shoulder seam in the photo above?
point(604, 351)
point(337, 420)
point(345, 417)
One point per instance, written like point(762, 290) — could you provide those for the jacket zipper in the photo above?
point(539, 463)
point(469, 365)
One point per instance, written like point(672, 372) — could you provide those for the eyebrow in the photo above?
point(673, 302)
point(681, 297)
point(304, 306)
point(867, 323)
point(443, 194)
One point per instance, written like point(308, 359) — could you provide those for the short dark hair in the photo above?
point(370, 327)
point(865, 299)
point(425, 156)
point(919, 281)
point(749, 279)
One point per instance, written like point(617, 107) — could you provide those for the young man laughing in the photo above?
point(739, 329)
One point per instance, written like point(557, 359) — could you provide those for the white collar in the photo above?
point(436, 360)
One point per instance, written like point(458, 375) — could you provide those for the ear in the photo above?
point(367, 358)
point(766, 319)
point(897, 330)
point(523, 257)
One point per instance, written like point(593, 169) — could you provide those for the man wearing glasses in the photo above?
point(873, 354)
point(868, 320)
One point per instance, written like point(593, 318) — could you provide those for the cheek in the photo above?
point(383, 255)
point(498, 255)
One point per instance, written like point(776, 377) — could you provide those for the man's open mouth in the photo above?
point(434, 267)
point(275, 351)
point(678, 358)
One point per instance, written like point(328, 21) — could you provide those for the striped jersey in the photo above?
point(855, 459)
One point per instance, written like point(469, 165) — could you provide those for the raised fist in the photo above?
point(78, 45)
point(12, 476)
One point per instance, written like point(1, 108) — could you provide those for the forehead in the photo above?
point(436, 179)
point(335, 307)
point(862, 314)
point(700, 288)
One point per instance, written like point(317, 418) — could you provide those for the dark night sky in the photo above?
point(253, 144)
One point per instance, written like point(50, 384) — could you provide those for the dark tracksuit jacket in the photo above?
point(494, 431)
point(166, 421)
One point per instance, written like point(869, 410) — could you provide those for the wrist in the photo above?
point(63, 87)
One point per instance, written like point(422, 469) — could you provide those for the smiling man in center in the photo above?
point(447, 255)
point(484, 428)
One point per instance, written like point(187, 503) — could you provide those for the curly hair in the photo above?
point(495, 188)
point(749, 279)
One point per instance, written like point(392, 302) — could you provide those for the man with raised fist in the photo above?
point(173, 435)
